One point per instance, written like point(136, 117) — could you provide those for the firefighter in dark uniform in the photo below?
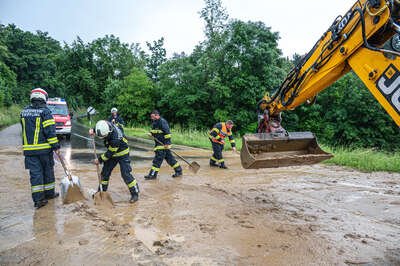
point(39, 141)
point(160, 131)
point(116, 119)
point(217, 137)
point(117, 152)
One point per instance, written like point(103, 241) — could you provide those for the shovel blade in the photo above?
point(71, 190)
point(194, 166)
point(103, 199)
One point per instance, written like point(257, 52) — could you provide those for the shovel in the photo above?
point(70, 185)
point(193, 166)
point(101, 198)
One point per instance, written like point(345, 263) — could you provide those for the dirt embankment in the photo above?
point(311, 215)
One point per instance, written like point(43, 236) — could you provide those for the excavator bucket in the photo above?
point(267, 150)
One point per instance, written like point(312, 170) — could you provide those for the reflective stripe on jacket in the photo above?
point(116, 144)
point(219, 132)
point(160, 131)
point(38, 131)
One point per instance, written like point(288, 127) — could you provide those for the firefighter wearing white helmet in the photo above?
point(116, 119)
point(103, 129)
point(39, 141)
point(117, 153)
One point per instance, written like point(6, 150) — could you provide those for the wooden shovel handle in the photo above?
point(66, 170)
point(174, 152)
point(97, 166)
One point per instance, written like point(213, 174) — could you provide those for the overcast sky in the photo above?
point(299, 23)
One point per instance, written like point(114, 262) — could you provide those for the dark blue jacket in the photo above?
point(38, 130)
point(118, 121)
point(116, 144)
point(160, 130)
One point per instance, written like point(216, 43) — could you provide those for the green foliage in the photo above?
point(215, 17)
point(365, 159)
point(8, 84)
point(31, 57)
point(86, 69)
point(187, 137)
point(223, 78)
point(136, 97)
point(113, 89)
point(156, 58)
point(111, 58)
point(346, 114)
point(9, 115)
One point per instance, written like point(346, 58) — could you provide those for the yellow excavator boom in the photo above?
point(363, 40)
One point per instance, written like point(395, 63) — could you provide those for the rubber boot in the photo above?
point(55, 195)
point(152, 175)
point(177, 174)
point(39, 204)
point(104, 188)
point(223, 166)
point(213, 164)
point(134, 194)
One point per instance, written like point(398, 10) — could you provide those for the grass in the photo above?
point(187, 137)
point(365, 159)
point(362, 159)
point(9, 115)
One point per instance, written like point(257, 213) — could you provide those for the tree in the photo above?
point(8, 79)
point(112, 59)
point(156, 59)
point(226, 81)
point(31, 58)
point(136, 99)
point(214, 16)
point(346, 114)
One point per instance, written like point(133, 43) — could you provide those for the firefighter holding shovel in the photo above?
point(117, 152)
point(39, 141)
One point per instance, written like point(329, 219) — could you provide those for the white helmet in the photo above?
point(103, 128)
point(114, 110)
point(39, 94)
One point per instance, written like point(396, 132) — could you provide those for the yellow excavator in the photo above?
point(365, 40)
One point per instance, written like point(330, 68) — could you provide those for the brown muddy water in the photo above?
point(307, 215)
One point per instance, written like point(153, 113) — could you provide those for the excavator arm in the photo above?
point(357, 41)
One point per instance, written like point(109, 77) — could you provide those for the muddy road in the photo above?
point(311, 215)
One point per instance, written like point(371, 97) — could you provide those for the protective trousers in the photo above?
point(217, 153)
point(41, 171)
point(126, 169)
point(167, 155)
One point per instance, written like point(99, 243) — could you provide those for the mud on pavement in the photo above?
point(308, 215)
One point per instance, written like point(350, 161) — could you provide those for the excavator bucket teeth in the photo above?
point(267, 150)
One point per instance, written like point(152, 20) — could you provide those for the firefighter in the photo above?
point(117, 152)
point(162, 139)
point(116, 119)
point(217, 137)
point(39, 141)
